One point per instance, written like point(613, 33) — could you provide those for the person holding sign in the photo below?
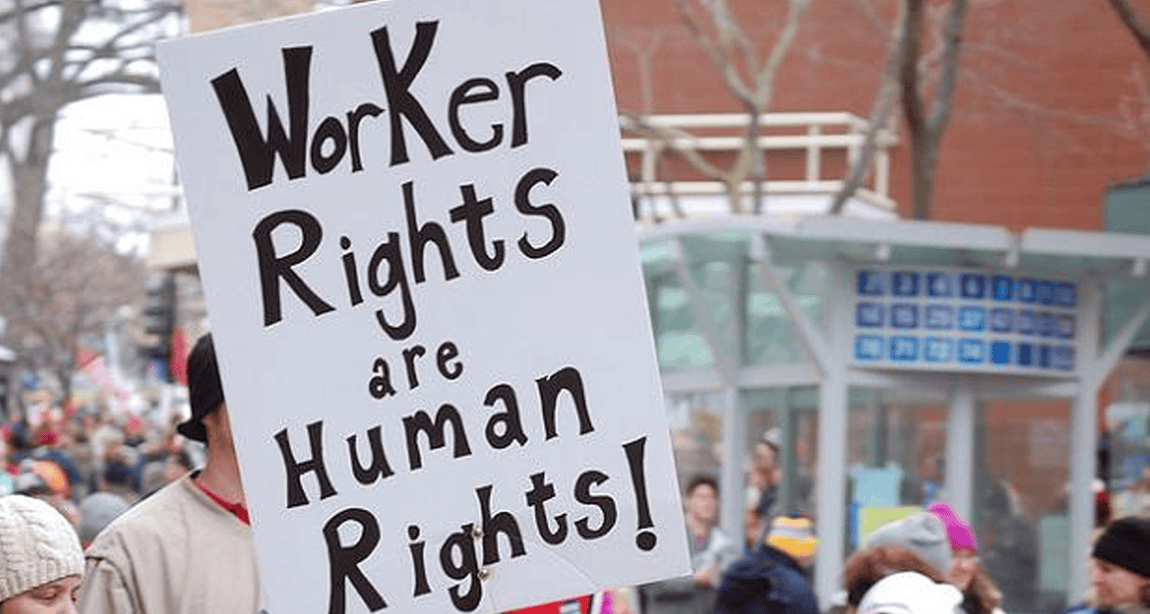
point(188, 548)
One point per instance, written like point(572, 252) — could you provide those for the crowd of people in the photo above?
point(99, 517)
point(127, 525)
point(929, 562)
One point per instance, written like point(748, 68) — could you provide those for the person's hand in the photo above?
point(706, 577)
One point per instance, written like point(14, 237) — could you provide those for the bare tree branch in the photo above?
point(944, 95)
point(765, 76)
point(879, 115)
point(1133, 23)
point(908, 69)
point(667, 139)
point(53, 53)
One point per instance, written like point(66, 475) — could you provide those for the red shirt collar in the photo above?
point(236, 508)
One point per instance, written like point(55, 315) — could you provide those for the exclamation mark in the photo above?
point(645, 539)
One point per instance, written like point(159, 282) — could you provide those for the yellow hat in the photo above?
point(793, 536)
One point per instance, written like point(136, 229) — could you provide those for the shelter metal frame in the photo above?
point(842, 243)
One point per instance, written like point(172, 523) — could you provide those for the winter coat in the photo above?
point(765, 581)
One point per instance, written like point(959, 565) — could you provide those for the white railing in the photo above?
point(812, 134)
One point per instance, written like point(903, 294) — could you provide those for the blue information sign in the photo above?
point(904, 283)
point(938, 350)
point(904, 315)
point(939, 284)
point(954, 319)
point(939, 317)
point(868, 314)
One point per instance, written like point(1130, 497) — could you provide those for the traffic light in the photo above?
point(159, 320)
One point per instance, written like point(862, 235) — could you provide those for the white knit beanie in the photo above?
point(910, 592)
point(37, 545)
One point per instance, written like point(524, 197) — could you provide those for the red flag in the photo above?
point(179, 356)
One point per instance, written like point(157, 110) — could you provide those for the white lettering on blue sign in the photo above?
point(1001, 320)
point(904, 283)
point(1002, 288)
point(972, 319)
point(1027, 293)
point(939, 317)
point(971, 350)
point(994, 313)
point(939, 284)
point(904, 349)
point(1064, 326)
point(938, 349)
point(904, 315)
point(973, 285)
point(1027, 322)
point(868, 315)
point(868, 347)
point(870, 283)
point(1065, 295)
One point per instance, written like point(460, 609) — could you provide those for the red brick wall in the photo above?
point(1036, 135)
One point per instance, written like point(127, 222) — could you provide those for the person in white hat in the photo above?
point(909, 592)
point(41, 564)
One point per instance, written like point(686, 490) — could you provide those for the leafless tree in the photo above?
point(881, 111)
point(748, 75)
point(926, 127)
point(918, 77)
point(53, 53)
point(74, 290)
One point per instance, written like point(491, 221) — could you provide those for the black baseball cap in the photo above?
point(205, 393)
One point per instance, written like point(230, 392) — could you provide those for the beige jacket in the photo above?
point(176, 552)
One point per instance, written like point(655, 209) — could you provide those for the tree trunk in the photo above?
point(922, 177)
point(29, 184)
point(758, 165)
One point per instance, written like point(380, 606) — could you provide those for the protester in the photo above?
point(52, 443)
point(711, 552)
point(869, 566)
point(1010, 555)
point(97, 511)
point(1135, 501)
point(762, 487)
point(910, 592)
point(41, 563)
point(902, 570)
point(1120, 569)
point(187, 549)
point(773, 578)
point(44, 480)
point(923, 534)
point(980, 595)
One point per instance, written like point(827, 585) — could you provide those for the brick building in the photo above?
point(1049, 112)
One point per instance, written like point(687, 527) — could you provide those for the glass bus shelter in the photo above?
point(902, 362)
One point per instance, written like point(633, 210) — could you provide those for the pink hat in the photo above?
point(960, 533)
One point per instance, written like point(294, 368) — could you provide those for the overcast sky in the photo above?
point(113, 155)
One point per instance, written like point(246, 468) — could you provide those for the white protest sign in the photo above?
point(414, 234)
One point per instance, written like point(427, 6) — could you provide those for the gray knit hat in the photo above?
point(37, 546)
point(923, 533)
point(97, 511)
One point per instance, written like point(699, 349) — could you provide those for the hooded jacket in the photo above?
point(765, 581)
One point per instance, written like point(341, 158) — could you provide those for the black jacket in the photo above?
point(765, 581)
